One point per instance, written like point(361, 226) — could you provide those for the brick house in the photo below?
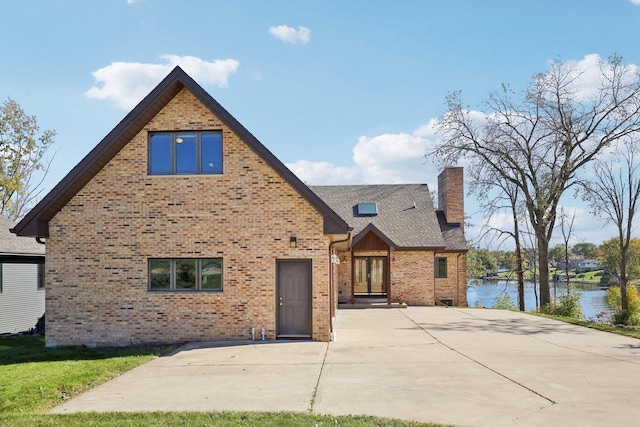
point(181, 226)
point(401, 248)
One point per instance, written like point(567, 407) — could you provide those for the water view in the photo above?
point(593, 301)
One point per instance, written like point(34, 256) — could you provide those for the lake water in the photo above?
point(593, 301)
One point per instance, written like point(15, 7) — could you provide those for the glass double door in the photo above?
point(370, 275)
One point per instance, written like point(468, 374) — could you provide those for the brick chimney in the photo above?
point(451, 194)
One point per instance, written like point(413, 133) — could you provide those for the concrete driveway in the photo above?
point(458, 366)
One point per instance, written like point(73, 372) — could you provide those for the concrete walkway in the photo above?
point(458, 366)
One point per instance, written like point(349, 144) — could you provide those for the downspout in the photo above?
point(39, 240)
point(434, 277)
point(331, 284)
point(388, 278)
point(458, 279)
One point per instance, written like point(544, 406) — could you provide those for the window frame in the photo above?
point(41, 277)
point(198, 262)
point(439, 274)
point(173, 152)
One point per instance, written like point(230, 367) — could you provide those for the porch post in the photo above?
point(388, 278)
point(353, 278)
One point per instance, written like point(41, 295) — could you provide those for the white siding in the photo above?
point(21, 302)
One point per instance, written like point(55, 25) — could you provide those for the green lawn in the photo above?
point(628, 332)
point(34, 379)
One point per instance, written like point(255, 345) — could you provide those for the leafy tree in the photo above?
point(610, 258)
point(567, 304)
point(630, 316)
point(23, 166)
point(556, 254)
point(505, 259)
point(585, 250)
point(504, 302)
point(480, 262)
point(475, 268)
point(540, 139)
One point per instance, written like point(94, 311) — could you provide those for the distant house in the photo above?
point(22, 294)
point(588, 265)
point(181, 226)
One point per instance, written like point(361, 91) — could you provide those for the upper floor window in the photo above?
point(175, 153)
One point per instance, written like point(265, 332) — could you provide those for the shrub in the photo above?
point(567, 304)
point(632, 315)
point(504, 302)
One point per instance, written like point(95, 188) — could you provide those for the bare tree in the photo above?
point(531, 254)
point(614, 193)
point(540, 139)
point(505, 200)
point(23, 166)
point(566, 227)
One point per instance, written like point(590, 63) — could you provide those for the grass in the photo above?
point(633, 333)
point(34, 379)
point(161, 419)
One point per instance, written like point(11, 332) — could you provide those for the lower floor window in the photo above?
point(41, 276)
point(441, 267)
point(201, 274)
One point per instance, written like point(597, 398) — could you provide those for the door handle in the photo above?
point(281, 301)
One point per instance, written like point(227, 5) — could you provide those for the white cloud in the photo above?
point(383, 159)
point(635, 2)
point(126, 83)
point(132, 1)
point(587, 76)
point(316, 173)
point(391, 158)
point(290, 35)
point(258, 76)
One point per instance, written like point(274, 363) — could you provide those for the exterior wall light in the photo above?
point(293, 242)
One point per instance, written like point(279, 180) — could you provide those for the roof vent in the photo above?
point(370, 209)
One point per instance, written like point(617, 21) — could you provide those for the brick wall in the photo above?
point(412, 274)
point(451, 194)
point(455, 284)
point(101, 240)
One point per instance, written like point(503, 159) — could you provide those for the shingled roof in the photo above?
point(36, 222)
point(406, 217)
point(17, 246)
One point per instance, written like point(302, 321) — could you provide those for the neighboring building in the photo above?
point(181, 226)
point(588, 265)
point(21, 281)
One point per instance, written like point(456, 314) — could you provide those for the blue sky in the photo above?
point(341, 91)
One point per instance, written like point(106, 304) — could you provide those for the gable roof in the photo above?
point(36, 222)
point(406, 216)
point(15, 245)
point(373, 229)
